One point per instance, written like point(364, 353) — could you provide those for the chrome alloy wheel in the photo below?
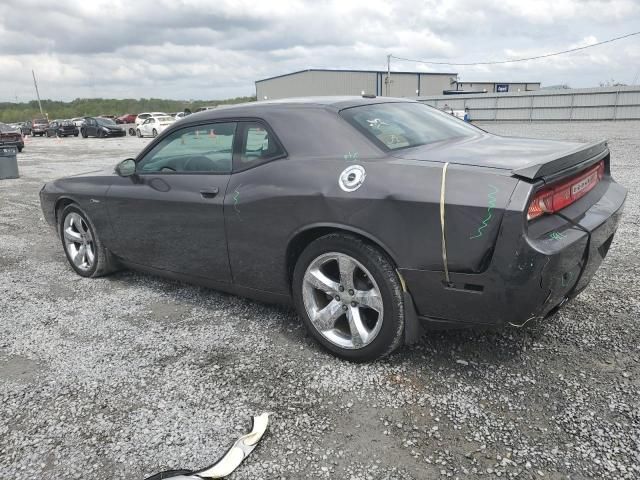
point(78, 241)
point(343, 300)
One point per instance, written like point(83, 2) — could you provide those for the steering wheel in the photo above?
point(167, 169)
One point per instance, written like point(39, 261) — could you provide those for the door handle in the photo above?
point(209, 192)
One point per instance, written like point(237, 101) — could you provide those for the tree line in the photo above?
point(91, 107)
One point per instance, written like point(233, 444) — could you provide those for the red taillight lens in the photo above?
point(555, 198)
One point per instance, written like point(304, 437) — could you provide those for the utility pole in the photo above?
point(388, 82)
point(37, 93)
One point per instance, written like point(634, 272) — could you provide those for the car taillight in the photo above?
point(555, 198)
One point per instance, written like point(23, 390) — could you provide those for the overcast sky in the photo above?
point(217, 49)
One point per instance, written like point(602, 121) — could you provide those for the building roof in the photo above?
point(492, 81)
point(354, 71)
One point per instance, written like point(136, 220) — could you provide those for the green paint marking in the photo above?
point(236, 196)
point(491, 200)
point(557, 235)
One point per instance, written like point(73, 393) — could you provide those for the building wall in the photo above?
point(491, 86)
point(312, 83)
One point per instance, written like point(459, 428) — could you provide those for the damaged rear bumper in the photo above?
point(530, 275)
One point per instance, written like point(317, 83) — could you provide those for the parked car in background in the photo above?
point(152, 126)
point(10, 135)
point(101, 127)
point(112, 117)
point(202, 109)
point(78, 121)
point(25, 127)
point(143, 116)
point(179, 115)
point(62, 128)
point(39, 126)
point(126, 118)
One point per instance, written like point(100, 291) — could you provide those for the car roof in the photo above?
point(335, 103)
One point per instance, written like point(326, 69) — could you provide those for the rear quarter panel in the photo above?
point(397, 207)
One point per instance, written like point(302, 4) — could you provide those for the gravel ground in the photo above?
point(124, 376)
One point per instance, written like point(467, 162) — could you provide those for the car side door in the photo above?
point(90, 125)
point(169, 214)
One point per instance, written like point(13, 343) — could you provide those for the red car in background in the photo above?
point(127, 118)
point(11, 136)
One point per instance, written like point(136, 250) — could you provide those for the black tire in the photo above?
point(132, 132)
point(381, 267)
point(20, 149)
point(138, 133)
point(75, 134)
point(104, 262)
point(154, 132)
point(83, 132)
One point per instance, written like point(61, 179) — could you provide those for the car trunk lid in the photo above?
point(526, 158)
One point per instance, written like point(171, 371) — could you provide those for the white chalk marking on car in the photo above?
point(352, 178)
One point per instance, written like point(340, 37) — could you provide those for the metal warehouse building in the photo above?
point(497, 87)
point(352, 82)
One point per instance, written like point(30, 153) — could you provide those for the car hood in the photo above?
point(487, 150)
point(103, 172)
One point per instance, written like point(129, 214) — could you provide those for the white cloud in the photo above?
point(203, 49)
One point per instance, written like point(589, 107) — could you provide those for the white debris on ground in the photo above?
point(128, 375)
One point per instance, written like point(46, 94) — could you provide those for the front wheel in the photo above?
point(139, 133)
point(82, 246)
point(154, 132)
point(83, 132)
point(349, 297)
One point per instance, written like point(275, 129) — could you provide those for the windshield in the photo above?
point(4, 128)
point(105, 121)
point(403, 125)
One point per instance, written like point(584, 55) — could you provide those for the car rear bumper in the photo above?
point(527, 278)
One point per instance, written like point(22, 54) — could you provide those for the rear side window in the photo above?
point(195, 149)
point(258, 145)
point(393, 126)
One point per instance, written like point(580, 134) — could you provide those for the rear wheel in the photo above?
point(82, 246)
point(349, 297)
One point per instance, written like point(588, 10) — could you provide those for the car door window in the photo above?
point(258, 146)
point(195, 149)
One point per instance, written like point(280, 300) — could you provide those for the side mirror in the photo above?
point(126, 168)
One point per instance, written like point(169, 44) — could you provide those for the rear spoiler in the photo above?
point(580, 156)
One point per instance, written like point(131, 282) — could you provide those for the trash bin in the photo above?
point(8, 162)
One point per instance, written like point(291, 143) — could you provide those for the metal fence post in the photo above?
point(571, 107)
point(531, 109)
point(615, 106)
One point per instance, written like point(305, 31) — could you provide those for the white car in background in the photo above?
point(144, 116)
point(152, 126)
point(78, 121)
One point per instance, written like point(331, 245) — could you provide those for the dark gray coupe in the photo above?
point(373, 216)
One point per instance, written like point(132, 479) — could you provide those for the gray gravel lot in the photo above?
point(123, 376)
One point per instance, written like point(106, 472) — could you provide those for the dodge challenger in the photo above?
point(374, 217)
